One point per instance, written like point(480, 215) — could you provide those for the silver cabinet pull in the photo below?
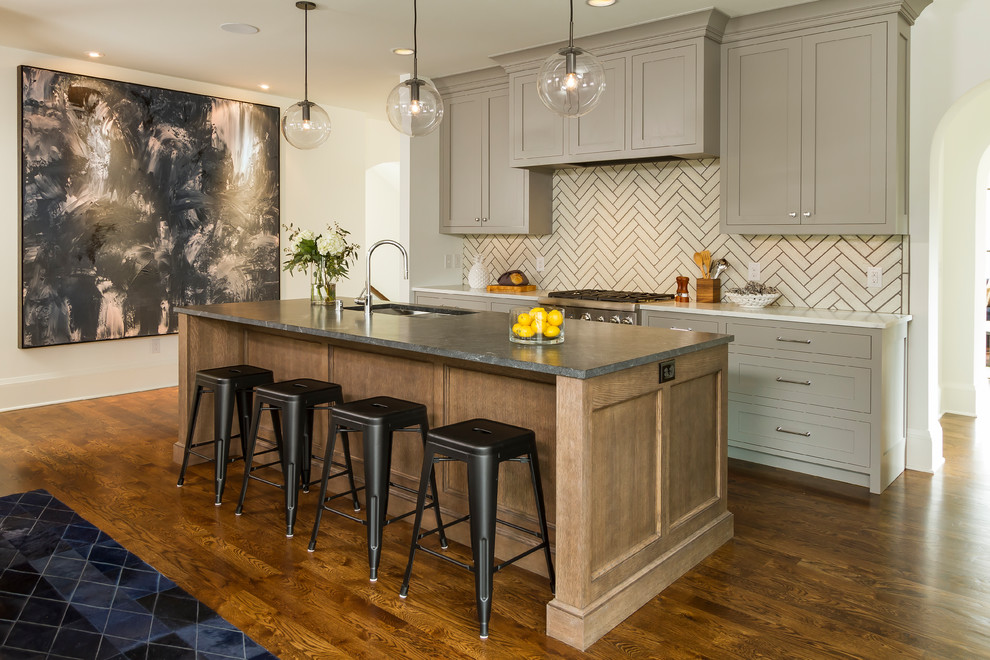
point(807, 214)
point(793, 214)
point(682, 329)
point(806, 434)
point(795, 382)
point(795, 341)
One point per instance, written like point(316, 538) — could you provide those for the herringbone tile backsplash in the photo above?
point(637, 227)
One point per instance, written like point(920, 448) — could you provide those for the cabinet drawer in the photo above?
point(830, 385)
point(679, 322)
point(799, 435)
point(841, 341)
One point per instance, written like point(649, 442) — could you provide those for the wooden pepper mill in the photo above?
point(682, 290)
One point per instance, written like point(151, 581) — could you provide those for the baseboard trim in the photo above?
point(924, 450)
point(48, 389)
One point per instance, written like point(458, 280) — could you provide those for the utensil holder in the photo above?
point(709, 291)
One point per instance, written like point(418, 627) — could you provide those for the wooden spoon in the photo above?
point(699, 259)
point(706, 262)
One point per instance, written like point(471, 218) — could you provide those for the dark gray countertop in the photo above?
point(589, 349)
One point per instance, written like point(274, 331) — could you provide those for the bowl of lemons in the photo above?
point(536, 325)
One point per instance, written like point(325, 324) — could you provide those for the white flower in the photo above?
point(332, 244)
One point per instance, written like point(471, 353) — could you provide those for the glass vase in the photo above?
point(322, 290)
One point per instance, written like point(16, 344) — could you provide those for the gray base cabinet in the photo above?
point(826, 400)
point(479, 192)
point(814, 121)
point(479, 303)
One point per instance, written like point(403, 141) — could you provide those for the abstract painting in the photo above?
point(136, 200)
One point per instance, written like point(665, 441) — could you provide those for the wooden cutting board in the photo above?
point(499, 288)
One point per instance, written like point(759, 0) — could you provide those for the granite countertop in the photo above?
point(589, 349)
point(771, 313)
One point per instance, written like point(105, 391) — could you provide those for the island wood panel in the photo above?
point(605, 575)
point(363, 375)
point(203, 344)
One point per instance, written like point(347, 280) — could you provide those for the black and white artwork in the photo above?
point(136, 200)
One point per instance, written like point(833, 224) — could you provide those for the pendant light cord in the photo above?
point(306, 56)
point(570, 42)
point(415, 42)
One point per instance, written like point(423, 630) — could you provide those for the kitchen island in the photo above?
point(634, 468)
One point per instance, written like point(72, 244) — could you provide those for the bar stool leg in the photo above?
point(293, 421)
point(541, 514)
point(346, 444)
point(324, 482)
point(433, 491)
point(249, 455)
point(244, 400)
point(425, 478)
point(377, 466)
point(483, 497)
point(223, 413)
point(189, 434)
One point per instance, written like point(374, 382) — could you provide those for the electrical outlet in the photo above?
point(540, 264)
point(874, 277)
point(448, 261)
point(754, 271)
point(156, 345)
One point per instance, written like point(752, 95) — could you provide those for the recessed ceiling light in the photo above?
point(403, 51)
point(94, 54)
point(239, 28)
point(601, 3)
point(264, 86)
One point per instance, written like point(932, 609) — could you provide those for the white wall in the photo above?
point(950, 55)
point(316, 186)
point(382, 211)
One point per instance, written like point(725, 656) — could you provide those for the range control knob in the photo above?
point(600, 319)
point(615, 319)
point(629, 321)
point(586, 316)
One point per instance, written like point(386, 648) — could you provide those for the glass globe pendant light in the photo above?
point(306, 125)
point(414, 106)
point(572, 80)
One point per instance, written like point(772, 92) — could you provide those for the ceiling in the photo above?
point(350, 61)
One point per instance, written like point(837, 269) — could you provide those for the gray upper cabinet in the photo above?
point(661, 97)
point(479, 192)
point(814, 129)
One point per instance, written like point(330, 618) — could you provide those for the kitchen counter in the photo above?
point(634, 469)
point(771, 313)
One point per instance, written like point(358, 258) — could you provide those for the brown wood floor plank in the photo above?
point(817, 569)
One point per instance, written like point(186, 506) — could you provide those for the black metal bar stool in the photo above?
point(293, 404)
point(483, 445)
point(229, 386)
point(377, 419)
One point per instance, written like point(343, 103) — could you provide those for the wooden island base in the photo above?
point(634, 470)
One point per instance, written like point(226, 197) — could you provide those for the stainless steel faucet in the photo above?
point(367, 272)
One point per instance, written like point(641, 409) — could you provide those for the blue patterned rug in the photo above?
point(67, 590)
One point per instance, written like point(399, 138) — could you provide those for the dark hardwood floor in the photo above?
point(816, 569)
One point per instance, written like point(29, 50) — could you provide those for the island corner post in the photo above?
point(634, 470)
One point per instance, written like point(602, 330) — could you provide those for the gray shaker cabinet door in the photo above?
point(463, 144)
point(506, 193)
point(844, 162)
point(603, 130)
point(538, 134)
point(665, 98)
point(762, 154)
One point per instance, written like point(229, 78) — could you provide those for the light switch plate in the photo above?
point(540, 264)
point(754, 271)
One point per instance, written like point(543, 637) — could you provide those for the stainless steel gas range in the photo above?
point(602, 305)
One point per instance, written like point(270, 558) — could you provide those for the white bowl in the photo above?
point(752, 300)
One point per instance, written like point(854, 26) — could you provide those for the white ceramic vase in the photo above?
point(478, 275)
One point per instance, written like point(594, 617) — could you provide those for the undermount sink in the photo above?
point(402, 309)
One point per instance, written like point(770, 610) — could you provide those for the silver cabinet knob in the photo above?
point(477, 219)
point(807, 214)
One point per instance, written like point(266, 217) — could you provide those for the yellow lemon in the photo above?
point(536, 310)
point(555, 317)
point(516, 328)
point(551, 331)
point(526, 331)
point(524, 319)
point(539, 323)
